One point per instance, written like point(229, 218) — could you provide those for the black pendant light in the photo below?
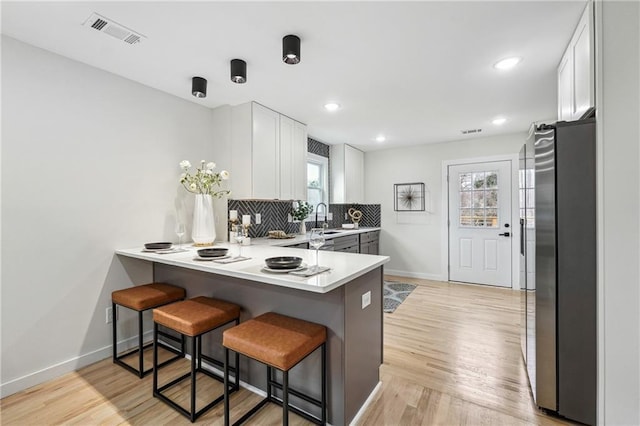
point(291, 49)
point(238, 71)
point(199, 87)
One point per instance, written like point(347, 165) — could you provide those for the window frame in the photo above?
point(323, 162)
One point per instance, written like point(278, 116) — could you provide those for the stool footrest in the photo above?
point(298, 394)
point(304, 414)
point(217, 363)
point(118, 359)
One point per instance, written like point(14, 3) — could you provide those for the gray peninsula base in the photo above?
point(354, 349)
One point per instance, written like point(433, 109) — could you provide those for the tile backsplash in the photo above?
point(275, 215)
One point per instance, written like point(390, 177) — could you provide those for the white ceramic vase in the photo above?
point(303, 228)
point(203, 232)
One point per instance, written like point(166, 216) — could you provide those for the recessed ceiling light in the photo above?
point(380, 138)
point(507, 63)
point(499, 121)
point(331, 106)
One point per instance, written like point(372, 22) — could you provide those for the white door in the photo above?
point(480, 227)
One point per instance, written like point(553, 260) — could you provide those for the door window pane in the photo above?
point(478, 180)
point(466, 217)
point(465, 182)
point(465, 199)
point(478, 198)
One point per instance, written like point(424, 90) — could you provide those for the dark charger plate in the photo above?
point(283, 262)
point(213, 252)
point(158, 246)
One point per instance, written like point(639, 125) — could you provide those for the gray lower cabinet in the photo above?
point(348, 243)
point(365, 243)
point(369, 242)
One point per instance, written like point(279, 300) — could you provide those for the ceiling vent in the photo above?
point(470, 131)
point(108, 26)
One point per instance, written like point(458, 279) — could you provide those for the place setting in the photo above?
point(294, 265)
point(163, 247)
point(221, 254)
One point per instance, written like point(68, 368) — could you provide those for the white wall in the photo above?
point(89, 165)
point(618, 112)
point(414, 240)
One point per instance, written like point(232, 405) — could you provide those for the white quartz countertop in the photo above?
point(344, 266)
point(305, 238)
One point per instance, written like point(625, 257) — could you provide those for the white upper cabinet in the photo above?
point(347, 174)
point(576, 71)
point(268, 154)
point(293, 159)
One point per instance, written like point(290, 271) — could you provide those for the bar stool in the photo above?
point(142, 298)
point(193, 318)
point(279, 342)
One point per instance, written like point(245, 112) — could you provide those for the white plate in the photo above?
point(209, 259)
point(283, 271)
point(159, 251)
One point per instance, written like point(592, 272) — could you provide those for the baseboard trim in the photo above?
point(433, 277)
point(68, 366)
point(366, 404)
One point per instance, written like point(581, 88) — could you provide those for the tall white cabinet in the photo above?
point(268, 154)
point(347, 174)
point(576, 71)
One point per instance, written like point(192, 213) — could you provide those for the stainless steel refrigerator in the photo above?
point(558, 267)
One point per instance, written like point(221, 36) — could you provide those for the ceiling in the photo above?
point(417, 72)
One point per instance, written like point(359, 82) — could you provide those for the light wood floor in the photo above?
point(451, 357)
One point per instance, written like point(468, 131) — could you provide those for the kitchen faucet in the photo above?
point(325, 224)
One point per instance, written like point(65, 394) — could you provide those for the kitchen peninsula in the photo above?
point(347, 300)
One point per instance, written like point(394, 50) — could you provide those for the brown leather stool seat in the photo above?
point(142, 298)
point(193, 318)
point(280, 342)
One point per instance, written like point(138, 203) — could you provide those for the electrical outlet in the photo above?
point(289, 218)
point(345, 216)
point(366, 299)
point(258, 218)
point(329, 216)
point(109, 315)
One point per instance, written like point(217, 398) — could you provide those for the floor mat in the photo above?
point(394, 294)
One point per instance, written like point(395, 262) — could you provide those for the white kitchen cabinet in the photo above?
point(347, 174)
point(268, 154)
point(293, 159)
point(576, 71)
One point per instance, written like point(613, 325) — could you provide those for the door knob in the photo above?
point(506, 234)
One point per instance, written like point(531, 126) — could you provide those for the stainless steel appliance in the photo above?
point(558, 267)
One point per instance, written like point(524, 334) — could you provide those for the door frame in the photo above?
point(515, 212)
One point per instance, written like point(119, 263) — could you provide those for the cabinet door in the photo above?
point(374, 247)
point(353, 171)
point(287, 143)
point(565, 87)
point(265, 153)
point(582, 52)
point(299, 159)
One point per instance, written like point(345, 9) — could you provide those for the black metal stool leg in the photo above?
point(140, 346)
point(194, 341)
point(285, 398)
point(269, 380)
point(226, 385)
point(323, 397)
point(115, 331)
point(155, 358)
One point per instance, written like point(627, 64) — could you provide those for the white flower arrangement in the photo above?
point(204, 179)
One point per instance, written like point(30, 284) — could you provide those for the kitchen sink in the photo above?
point(331, 232)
